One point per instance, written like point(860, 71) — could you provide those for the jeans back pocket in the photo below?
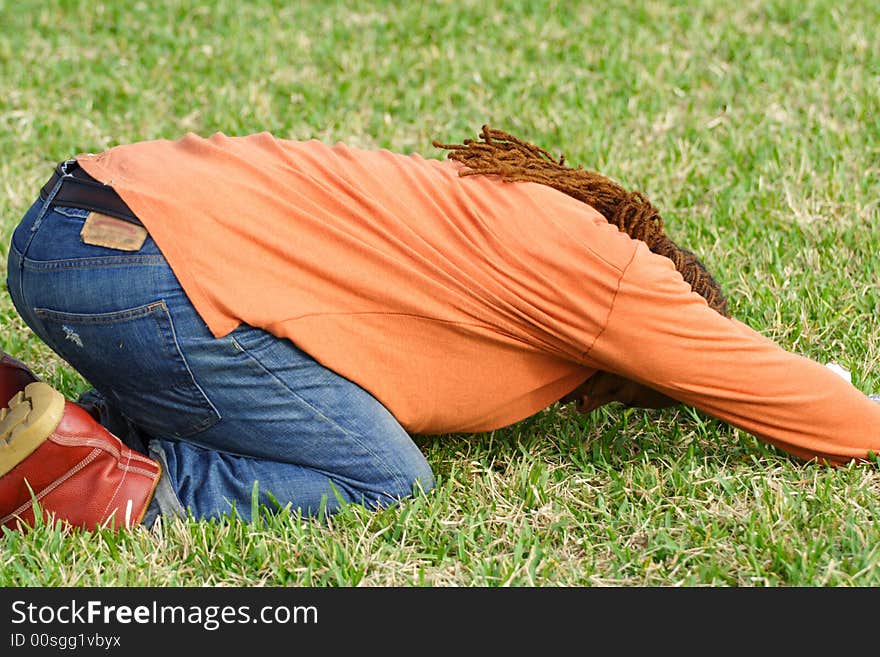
point(133, 357)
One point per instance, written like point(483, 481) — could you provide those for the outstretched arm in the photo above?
point(663, 335)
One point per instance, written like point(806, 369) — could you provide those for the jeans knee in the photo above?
point(416, 479)
point(423, 478)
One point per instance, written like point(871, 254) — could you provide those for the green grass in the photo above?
point(755, 126)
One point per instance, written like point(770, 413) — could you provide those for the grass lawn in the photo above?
point(753, 125)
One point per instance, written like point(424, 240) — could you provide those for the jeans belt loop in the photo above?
point(50, 197)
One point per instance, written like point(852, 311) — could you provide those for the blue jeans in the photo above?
point(220, 414)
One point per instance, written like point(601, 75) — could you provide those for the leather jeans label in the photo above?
point(112, 233)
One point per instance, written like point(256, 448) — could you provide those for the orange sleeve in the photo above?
point(662, 334)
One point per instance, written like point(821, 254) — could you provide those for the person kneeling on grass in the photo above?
point(254, 309)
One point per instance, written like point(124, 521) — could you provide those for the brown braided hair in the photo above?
point(513, 159)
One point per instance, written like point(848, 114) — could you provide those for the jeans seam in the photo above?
point(92, 263)
point(353, 436)
point(113, 317)
point(208, 421)
point(19, 265)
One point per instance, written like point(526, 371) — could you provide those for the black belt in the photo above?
point(80, 190)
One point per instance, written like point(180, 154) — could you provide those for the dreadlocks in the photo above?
point(513, 159)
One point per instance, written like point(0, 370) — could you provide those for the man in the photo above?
point(286, 314)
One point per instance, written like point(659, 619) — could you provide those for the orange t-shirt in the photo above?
point(461, 303)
